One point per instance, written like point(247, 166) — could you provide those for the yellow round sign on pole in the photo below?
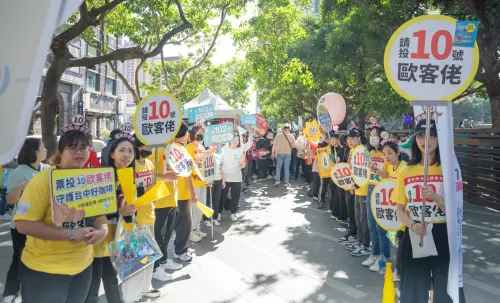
point(157, 119)
point(383, 208)
point(422, 64)
point(359, 163)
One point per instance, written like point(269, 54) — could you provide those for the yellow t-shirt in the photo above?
point(408, 192)
point(362, 191)
point(378, 158)
point(196, 152)
point(182, 188)
point(53, 257)
point(144, 178)
point(394, 173)
point(163, 168)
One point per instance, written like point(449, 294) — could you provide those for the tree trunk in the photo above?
point(361, 120)
point(495, 107)
point(49, 101)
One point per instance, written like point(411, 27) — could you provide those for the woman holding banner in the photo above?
point(121, 155)
point(196, 150)
point(57, 260)
point(423, 266)
point(232, 161)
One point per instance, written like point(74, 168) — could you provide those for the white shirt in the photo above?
point(301, 142)
point(218, 166)
point(231, 160)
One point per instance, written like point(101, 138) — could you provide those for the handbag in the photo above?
point(133, 251)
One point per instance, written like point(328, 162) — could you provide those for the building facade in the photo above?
point(94, 92)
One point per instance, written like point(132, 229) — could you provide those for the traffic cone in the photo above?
point(389, 293)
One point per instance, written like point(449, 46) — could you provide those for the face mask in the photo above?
point(199, 138)
point(145, 153)
point(374, 141)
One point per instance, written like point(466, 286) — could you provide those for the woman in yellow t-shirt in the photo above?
point(196, 150)
point(185, 199)
point(381, 244)
point(419, 273)
point(392, 168)
point(57, 260)
point(121, 155)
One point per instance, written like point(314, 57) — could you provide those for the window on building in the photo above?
point(110, 86)
point(92, 81)
point(91, 51)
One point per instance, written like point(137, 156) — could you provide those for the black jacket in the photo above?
point(263, 143)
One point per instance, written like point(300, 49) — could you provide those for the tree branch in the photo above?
point(137, 86)
point(353, 56)
point(470, 91)
point(207, 53)
point(123, 54)
point(105, 8)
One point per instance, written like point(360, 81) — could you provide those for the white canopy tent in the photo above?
point(222, 109)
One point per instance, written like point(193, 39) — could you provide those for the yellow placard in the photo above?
point(207, 211)
point(324, 162)
point(156, 192)
point(91, 191)
point(127, 182)
point(312, 131)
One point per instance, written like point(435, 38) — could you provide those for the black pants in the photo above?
point(216, 192)
point(13, 280)
point(416, 279)
point(316, 184)
point(164, 227)
point(183, 226)
point(339, 209)
point(333, 195)
point(263, 168)
point(40, 287)
point(102, 268)
point(308, 173)
point(235, 188)
point(293, 159)
point(325, 186)
point(245, 173)
point(351, 218)
point(298, 163)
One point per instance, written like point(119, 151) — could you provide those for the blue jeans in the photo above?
point(283, 159)
point(378, 235)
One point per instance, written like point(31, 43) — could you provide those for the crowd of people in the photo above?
point(67, 264)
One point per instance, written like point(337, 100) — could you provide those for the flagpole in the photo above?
point(426, 165)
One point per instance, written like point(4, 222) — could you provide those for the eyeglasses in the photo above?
point(82, 148)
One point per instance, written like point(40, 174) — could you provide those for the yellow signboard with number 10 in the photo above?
point(422, 64)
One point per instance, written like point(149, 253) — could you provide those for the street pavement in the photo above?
point(282, 249)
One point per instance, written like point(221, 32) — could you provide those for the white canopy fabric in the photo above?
point(222, 109)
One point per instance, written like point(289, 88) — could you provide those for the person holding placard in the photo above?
point(337, 198)
point(217, 187)
point(185, 200)
point(352, 230)
point(139, 285)
point(30, 159)
point(232, 161)
point(378, 235)
point(362, 248)
point(165, 210)
point(196, 150)
point(426, 265)
point(57, 261)
point(121, 155)
point(393, 166)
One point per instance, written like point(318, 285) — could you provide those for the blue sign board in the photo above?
point(465, 33)
point(205, 112)
point(248, 119)
point(219, 134)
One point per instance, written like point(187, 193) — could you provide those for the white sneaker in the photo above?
point(395, 276)
point(152, 293)
point(316, 198)
point(11, 298)
point(234, 218)
point(193, 237)
point(269, 177)
point(216, 223)
point(329, 211)
point(184, 257)
point(208, 223)
point(370, 261)
point(200, 233)
point(5, 217)
point(219, 217)
point(161, 275)
point(375, 267)
point(171, 265)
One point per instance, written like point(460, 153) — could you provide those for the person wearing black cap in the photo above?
point(427, 265)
